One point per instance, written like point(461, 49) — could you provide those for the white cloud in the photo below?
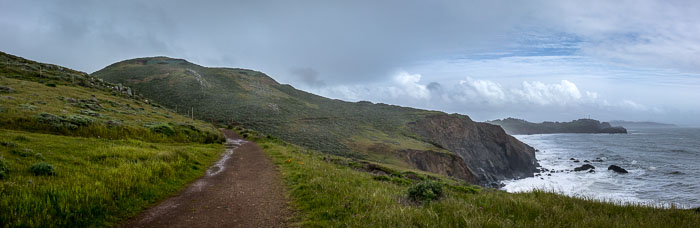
point(409, 85)
point(540, 93)
point(639, 33)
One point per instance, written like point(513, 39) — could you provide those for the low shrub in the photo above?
point(4, 169)
point(381, 178)
point(161, 128)
point(464, 189)
point(80, 120)
point(22, 138)
point(425, 191)
point(42, 169)
point(8, 144)
point(22, 152)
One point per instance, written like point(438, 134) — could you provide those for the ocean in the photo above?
point(663, 165)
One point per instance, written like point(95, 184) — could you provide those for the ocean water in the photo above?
point(663, 165)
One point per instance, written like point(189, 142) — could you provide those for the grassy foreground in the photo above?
point(96, 182)
point(329, 193)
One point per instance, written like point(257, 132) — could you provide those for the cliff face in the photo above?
point(442, 163)
point(518, 126)
point(486, 149)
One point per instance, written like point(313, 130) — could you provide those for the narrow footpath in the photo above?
point(243, 189)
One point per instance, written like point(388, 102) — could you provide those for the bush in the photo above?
point(464, 189)
point(22, 153)
point(21, 138)
point(42, 169)
point(8, 144)
point(80, 120)
point(4, 169)
point(425, 191)
point(48, 118)
point(161, 128)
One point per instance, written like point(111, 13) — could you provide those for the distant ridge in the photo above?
point(519, 127)
point(641, 124)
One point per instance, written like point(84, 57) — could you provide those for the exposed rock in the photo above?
point(577, 161)
point(591, 171)
point(584, 167)
point(617, 169)
point(442, 163)
point(586, 161)
point(487, 150)
point(676, 172)
point(572, 159)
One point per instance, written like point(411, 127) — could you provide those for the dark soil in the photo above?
point(248, 192)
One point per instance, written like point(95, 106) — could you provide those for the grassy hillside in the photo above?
point(376, 132)
point(257, 101)
point(76, 152)
point(332, 191)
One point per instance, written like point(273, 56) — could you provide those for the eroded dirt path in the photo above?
point(243, 189)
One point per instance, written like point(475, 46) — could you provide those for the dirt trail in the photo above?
point(243, 189)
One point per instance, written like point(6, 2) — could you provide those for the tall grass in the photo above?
point(97, 182)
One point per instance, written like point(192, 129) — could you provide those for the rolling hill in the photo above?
point(432, 141)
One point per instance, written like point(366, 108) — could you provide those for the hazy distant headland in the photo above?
point(522, 127)
point(642, 124)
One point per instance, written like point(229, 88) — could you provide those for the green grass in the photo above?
point(76, 152)
point(328, 193)
point(95, 182)
point(79, 111)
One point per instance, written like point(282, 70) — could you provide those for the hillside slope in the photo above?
point(79, 152)
point(376, 132)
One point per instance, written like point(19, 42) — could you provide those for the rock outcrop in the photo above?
point(584, 168)
point(441, 163)
point(486, 149)
point(617, 169)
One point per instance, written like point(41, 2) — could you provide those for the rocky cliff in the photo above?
point(492, 154)
point(443, 163)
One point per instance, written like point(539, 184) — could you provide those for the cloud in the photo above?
point(517, 52)
point(640, 33)
point(407, 88)
point(308, 76)
point(408, 85)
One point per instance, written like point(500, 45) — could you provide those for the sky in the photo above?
point(536, 60)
